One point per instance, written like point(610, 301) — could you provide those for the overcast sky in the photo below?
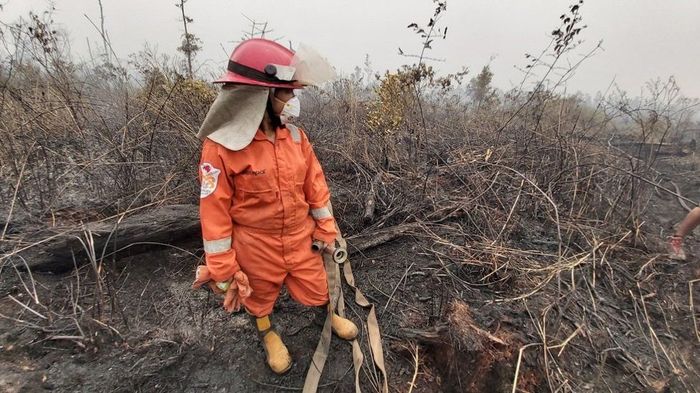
point(642, 39)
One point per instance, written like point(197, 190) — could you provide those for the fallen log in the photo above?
point(60, 250)
point(363, 241)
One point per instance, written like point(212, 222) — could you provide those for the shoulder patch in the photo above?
point(210, 179)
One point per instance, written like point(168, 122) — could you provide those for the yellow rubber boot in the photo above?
point(343, 327)
point(276, 352)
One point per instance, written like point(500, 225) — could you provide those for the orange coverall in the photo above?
point(260, 209)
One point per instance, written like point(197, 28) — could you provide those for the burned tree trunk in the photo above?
point(60, 251)
point(371, 201)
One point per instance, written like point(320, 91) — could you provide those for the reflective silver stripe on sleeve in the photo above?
point(321, 213)
point(217, 246)
point(294, 131)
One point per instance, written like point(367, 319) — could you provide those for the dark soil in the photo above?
point(149, 332)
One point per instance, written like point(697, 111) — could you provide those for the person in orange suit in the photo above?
point(264, 198)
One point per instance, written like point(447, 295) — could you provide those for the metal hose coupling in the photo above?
point(339, 254)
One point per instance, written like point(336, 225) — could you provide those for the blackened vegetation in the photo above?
point(506, 237)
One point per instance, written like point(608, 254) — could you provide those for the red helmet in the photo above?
point(260, 62)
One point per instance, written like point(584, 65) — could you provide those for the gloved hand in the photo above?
point(235, 291)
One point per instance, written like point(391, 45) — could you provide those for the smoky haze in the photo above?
point(641, 39)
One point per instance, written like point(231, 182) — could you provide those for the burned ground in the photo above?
point(511, 241)
point(141, 328)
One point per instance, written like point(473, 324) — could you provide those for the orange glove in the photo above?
point(234, 291)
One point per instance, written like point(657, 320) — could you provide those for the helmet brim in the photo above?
point(230, 77)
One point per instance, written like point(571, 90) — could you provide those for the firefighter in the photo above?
point(675, 242)
point(264, 198)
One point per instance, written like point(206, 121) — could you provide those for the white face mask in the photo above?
point(292, 108)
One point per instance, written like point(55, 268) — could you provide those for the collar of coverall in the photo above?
point(281, 133)
point(234, 117)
